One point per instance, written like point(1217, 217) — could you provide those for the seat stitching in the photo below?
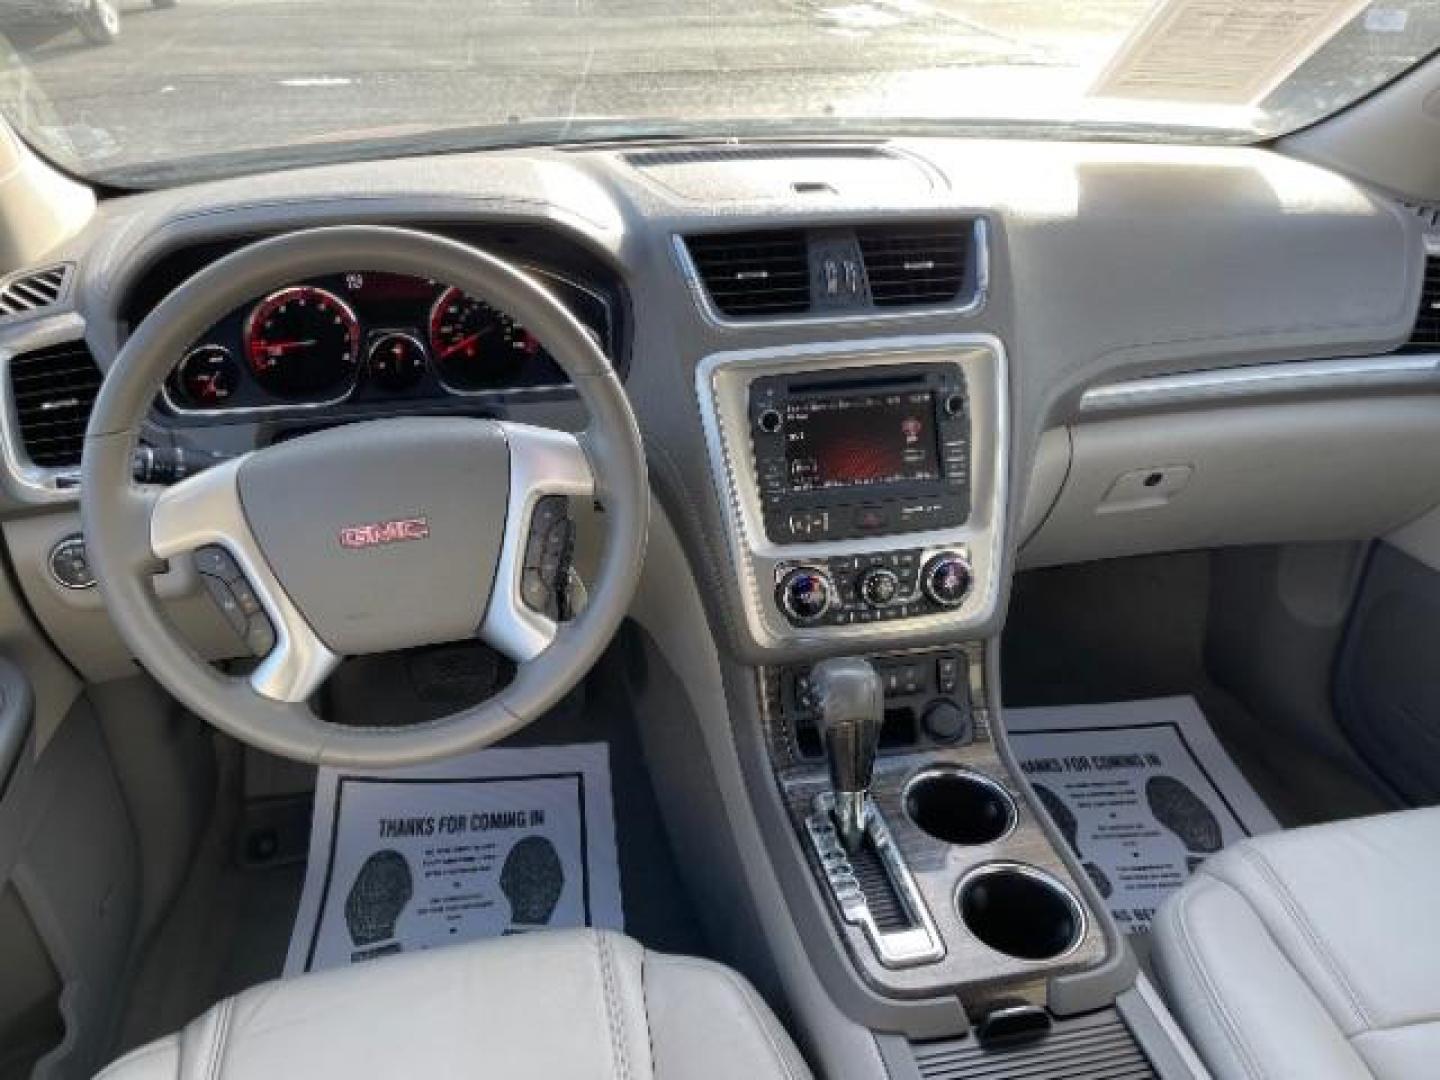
point(747, 995)
point(1399, 1025)
point(649, 1028)
point(1307, 930)
point(222, 1031)
point(612, 1006)
point(1210, 994)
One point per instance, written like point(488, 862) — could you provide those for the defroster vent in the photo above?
point(749, 274)
point(54, 390)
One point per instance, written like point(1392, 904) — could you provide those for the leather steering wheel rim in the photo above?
point(119, 515)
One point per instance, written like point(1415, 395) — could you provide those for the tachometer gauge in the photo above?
point(207, 376)
point(303, 342)
point(474, 346)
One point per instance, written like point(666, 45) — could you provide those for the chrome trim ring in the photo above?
point(937, 772)
point(991, 869)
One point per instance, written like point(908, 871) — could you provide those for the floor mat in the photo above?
point(502, 841)
point(1142, 791)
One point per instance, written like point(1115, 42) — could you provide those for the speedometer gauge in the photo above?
point(303, 342)
point(474, 346)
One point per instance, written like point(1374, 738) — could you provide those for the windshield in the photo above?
point(145, 92)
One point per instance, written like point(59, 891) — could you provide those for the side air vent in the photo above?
point(30, 293)
point(1426, 335)
point(753, 274)
point(912, 265)
point(54, 390)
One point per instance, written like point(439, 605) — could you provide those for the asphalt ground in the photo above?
point(239, 75)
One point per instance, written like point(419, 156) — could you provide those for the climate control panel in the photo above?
point(853, 589)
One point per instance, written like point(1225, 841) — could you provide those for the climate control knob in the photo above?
point(946, 579)
point(878, 586)
point(805, 594)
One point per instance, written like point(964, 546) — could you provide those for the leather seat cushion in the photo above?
point(543, 1005)
point(1312, 953)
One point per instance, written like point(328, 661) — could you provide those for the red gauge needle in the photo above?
point(463, 343)
point(276, 348)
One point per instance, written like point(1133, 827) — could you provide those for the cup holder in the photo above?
point(959, 807)
point(1020, 911)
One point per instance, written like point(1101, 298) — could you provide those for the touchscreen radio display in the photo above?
point(859, 441)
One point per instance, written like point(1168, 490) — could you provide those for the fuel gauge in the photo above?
point(207, 376)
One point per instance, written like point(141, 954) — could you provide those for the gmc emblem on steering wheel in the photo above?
point(385, 532)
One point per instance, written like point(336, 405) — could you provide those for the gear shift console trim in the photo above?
point(919, 943)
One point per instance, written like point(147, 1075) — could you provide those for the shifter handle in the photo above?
point(851, 704)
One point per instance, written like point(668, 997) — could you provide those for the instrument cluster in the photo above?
point(370, 337)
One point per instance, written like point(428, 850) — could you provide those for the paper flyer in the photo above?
point(493, 843)
point(1142, 791)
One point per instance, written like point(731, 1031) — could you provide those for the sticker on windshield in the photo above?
point(1220, 52)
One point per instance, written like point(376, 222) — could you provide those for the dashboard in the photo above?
point(862, 410)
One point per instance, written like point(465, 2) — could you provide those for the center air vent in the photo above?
point(915, 264)
point(841, 272)
point(33, 292)
point(754, 273)
point(1426, 335)
point(54, 391)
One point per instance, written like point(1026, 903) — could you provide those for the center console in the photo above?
point(863, 486)
point(956, 886)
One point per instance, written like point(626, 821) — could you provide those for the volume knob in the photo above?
point(946, 579)
point(805, 594)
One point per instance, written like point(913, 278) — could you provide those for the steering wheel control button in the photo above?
point(946, 579)
point(805, 595)
point(225, 599)
point(70, 564)
point(214, 561)
point(260, 636)
point(235, 597)
point(549, 549)
point(879, 586)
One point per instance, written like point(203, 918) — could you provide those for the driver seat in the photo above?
point(569, 1003)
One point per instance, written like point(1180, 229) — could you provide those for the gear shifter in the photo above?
point(851, 703)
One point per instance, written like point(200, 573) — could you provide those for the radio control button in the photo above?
point(878, 586)
point(946, 579)
point(805, 594)
point(770, 421)
point(870, 518)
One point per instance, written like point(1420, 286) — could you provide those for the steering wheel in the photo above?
point(371, 536)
